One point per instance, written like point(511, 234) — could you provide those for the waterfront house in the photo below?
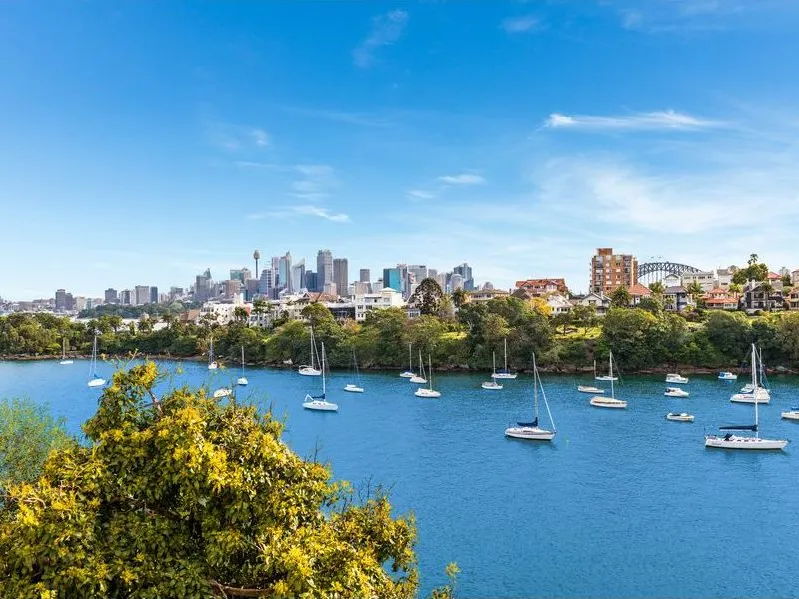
point(599, 301)
point(720, 299)
point(676, 298)
point(541, 287)
point(756, 298)
point(559, 304)
point(793, 299)
point(485, 295)
point(638, 292)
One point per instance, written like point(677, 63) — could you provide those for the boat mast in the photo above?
point(544, 395)
point(323, 371)
point(421, 364)
point(754, 385)
point(410, 357)
point(506, 354)
point(535, 389)
point(430, 371)
point(242, 359)
point(494, 362)
point(610, 368)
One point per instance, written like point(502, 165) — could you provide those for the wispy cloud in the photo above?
point(233, 138)
point(341, 116)
point(304, 210)
point(386, 30)
point(420, 194)
point(666, 119)
point(317, 180)
point(521, 24)
point(462, 179)
point(260, 137)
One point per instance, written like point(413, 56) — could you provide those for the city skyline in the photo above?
point(142, 147)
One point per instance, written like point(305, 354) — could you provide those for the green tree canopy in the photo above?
point(427, 296)
point(620, 297)
point(185, 497)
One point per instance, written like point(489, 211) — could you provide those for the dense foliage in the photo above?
point(181, 496)
point(643, 337)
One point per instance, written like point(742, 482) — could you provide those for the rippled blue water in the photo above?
point(622, 502)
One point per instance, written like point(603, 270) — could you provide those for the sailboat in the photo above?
point(429, 392)
point(64, 353)
point(531, 430)
point(319, 402)
point(419, 378)
point(504, 373)
point(608, 402)
point(492, 384)
point(212, 365)
point(604, 377)
point(408, 374)
point(754, 392)
point(354, 387)
point(223, 392)
point(95, 380)
point(311, 370)
point(242, 380)
point(732, 441)
point(590, 388)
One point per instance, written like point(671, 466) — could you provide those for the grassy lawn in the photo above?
point(578, 333)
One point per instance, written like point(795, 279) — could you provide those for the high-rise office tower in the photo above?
point(465, 271)
point(365, 275)
point(311, 280)
point(298, 275)
point(141, 295)
point(391, 278)
point(284, 272)
point(111, 296)
point(153, 295)
point(324, 268)
point(341, 275)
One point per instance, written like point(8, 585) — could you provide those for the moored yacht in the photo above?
point(311, 370)
point(675, 392)
point(531, 430)
point(727, 376)
point(608, 402)
point(319, 403)
point(492, 385)
point(681, 417)
point(676, 379)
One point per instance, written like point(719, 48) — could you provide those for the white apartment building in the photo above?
point(224, 311)
point(705, 278)
point(387, 298)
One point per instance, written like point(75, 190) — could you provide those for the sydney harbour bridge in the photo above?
point(659, 268)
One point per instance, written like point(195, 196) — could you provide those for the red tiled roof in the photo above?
point(640, 290)
point(774, 276)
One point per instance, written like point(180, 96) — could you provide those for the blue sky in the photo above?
point(142, 142)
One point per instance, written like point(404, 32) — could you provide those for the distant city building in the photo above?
point(80, 303)
point(111, 296)
point(202, 287)
point(284, 273)
point(251, 289)
point(141, 295)
point(364, 276)
point(465, 271)
point(240, 274)
point(231, 288)
point(63, 300)
point(311, 281)
point(784, 272)
point(267, 282)
point(392, 278)
point(341, 275)
point(432, 273)
point(610, 271)
point(175, 293)
point(126, 297)
point(456, 281)
point(723, 277)
point(361, 288)
point(153, 295)
point(324, 268)
point(330, 289)
point(419, 272)
point(298, 276)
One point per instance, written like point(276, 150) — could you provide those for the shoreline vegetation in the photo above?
point(644, 340)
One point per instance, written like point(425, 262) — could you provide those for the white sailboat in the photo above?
point(604, 377)
point(590, 388)
point(680, 417)
point(733, 441)
point(429, 392)
point(492, 385)
point(64, 360)
point(609, 402)
point(505, 373)
point(419, 378)
point(792, 414)
point(311, 370)
point(212, 365)
point(408, 374)
point(531, 430)
point(356, 386)
point(223, 392)
point(319, 402)
point(754, 392)
point(95, 380)
point(675, 392)
point(242, 380)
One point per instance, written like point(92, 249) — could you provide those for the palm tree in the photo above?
point(753, 258)
point(657, 288)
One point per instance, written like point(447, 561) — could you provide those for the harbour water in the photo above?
point(621, 503)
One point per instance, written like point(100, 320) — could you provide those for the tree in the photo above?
point(730, 333)
point(695, 291)
point(653, 305)
point(584, 316)
point(620, 297)
point(181, 496)
point(240, 314)
point(562, 319)
point(657, 288)
point(27, 434)
point(427, 296)
point(786, 281)
point(459, 297)
point(734, 288)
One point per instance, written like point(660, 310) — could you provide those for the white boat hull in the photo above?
point(728, 376)
point(320, 406)
point(224, 392)
point(680, 417)
point(677, 380)
point(308, 371)
point(608, 402)
point(242, 381)
point(606, 378)
point(407, 375)
point(531, 433)
point(96, 383)
point(738, 442)
point(588, 389)
point(491, 386)
point(428, 393)
point(504, 375)
point(790, 415)
point(418, 380)
point(213, 366)
point(748, 398)
point(65, 362)
point(353, 388)
point(676, 393)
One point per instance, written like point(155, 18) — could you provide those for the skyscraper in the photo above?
point(324, 268)
point(240, 274)
point(341, 275)
point(465, 271)
point(365, 275)
point(111, 296)
point(311, 280)
point(391, 278)
point(284, 273)
point(267, 282)
point(298, 275)
point(419, 271)
point(141, 295)
point(153, 295)
point(202, 287)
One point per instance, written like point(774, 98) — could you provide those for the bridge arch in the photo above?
point(655, 271)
